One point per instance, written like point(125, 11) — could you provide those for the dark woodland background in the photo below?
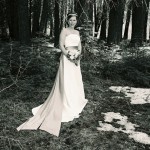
point(22, 20)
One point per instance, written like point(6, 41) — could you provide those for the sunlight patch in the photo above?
point(137, 95)
point(125, 127)
point(47, 44)
point(140, 137)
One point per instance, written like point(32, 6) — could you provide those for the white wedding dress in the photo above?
point(66, 100)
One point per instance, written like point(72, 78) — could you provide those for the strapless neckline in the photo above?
point(72, 34)
point(72, 40)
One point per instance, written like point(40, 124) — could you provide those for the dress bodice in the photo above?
point(72, 40)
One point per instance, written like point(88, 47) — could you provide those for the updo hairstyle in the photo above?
point(69, 15)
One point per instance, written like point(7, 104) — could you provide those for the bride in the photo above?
point(66, 99)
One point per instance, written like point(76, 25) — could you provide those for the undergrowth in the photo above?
point(33, 75)
point(133, 71)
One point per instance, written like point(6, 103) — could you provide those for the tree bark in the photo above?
point(138, 18)
point(24, 26)
point(115, 21)
point(127, 22)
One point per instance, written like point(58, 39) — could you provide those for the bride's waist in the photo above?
point(72, 48)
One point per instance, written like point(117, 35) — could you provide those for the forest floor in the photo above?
point(29, 86)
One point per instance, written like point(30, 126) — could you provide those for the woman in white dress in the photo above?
point(66, 99)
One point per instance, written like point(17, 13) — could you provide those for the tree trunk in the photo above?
point(63, 5)
point(51, 26)
point(127, 22)
point(36, 17)
point(103, 22)
point(3, 26)
point(12, 18)
point(43, 22)
point(24, 26)
point(56, 24)
point(72, 5)
point(51, 17)
point(30, 15)
point(146, 19)
point(115, 21)
point(138, 18)
point(95, 19)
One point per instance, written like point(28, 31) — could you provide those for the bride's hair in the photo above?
point(71, 14)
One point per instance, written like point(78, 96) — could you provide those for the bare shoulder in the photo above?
point(63, 30)
point(66, 30)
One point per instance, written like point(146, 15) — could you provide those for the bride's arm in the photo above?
point(62, 41)
point(80, 46)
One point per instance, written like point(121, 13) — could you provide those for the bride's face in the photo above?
point(72, 21)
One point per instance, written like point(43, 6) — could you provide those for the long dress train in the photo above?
point(65, 102)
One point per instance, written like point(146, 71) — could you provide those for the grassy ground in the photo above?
point(80, 134)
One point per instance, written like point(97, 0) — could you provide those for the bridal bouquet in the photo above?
point(74, 56)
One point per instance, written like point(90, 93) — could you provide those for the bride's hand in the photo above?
point(77, 54)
